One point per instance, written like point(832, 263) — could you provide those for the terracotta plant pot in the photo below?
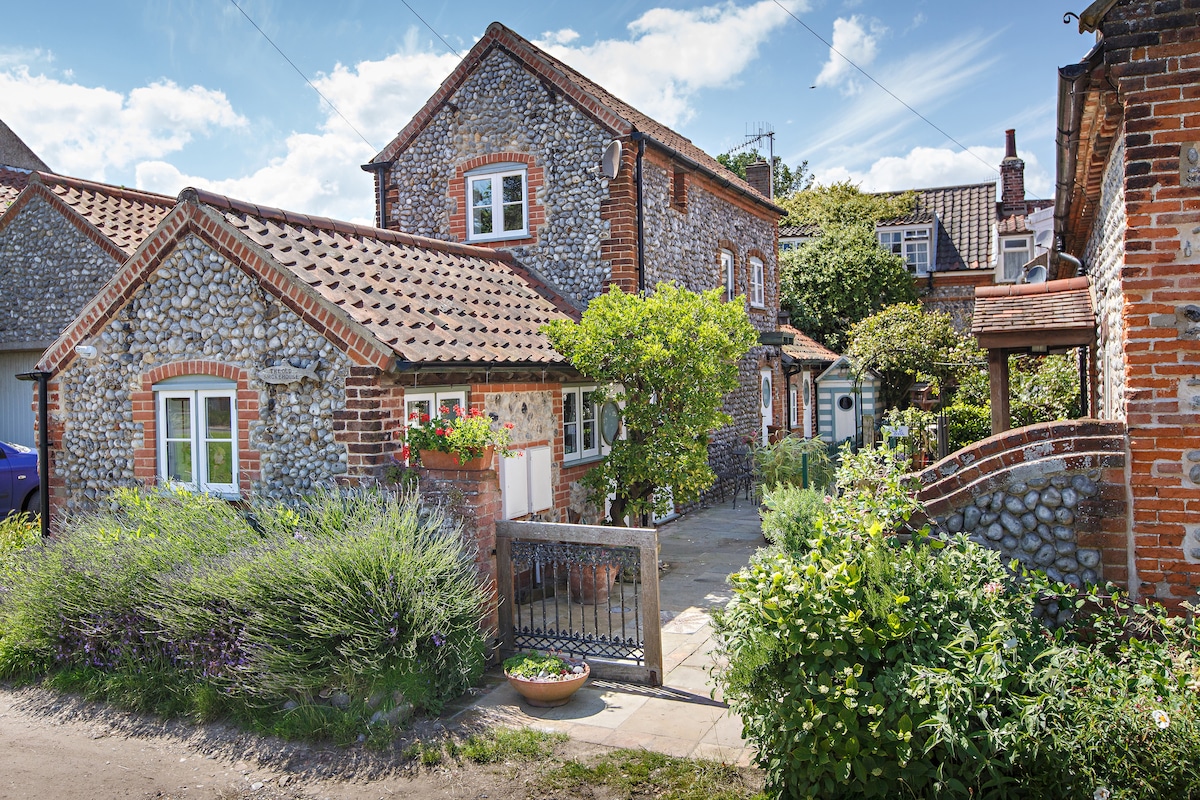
point(435, 459)
point(591, 584)
point(549, 694)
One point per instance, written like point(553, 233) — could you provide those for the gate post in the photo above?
point(471, 499)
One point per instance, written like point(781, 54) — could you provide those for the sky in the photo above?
point(174, 93)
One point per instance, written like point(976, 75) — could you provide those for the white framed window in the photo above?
point(727, 271)
point(912, 244)
point(581, 423)
point(497, 203)
point(756, 282)
point(197, 436)
point(1015, 253)
point(793, 406)
point(430, 401)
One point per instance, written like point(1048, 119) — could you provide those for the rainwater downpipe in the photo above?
point(43, 381)
point(641, 216)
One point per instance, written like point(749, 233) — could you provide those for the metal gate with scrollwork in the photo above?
point(585, 590)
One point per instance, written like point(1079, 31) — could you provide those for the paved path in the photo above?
point(681, 718)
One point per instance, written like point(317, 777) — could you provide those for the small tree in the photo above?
point(839, 278)
point(671, 358)
point(785, 180)
point(904, 344)
point(843, 204)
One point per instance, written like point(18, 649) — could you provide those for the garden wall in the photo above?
point(1051, 496)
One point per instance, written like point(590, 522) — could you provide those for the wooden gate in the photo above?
point(585, 590)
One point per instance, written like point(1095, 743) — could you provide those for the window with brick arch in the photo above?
point(196, 429)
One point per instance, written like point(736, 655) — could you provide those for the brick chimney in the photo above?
point(1012, 177)
point(758, 175)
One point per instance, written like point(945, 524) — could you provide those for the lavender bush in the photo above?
point(316, 618)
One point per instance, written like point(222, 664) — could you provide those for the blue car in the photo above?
point(19, 488)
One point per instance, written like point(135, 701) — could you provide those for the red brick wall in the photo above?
point(1152, 57)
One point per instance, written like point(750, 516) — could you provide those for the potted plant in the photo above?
point(591, 584)
point(545, 681)
point(457, 439)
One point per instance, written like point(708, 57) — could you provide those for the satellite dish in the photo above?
point(1036, 274)
point(610, 162)
point(1044, 238)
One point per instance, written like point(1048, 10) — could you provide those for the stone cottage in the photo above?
point(518, 152)
point(60, 240)
point(244, 348)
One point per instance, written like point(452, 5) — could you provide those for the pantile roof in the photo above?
point(1041, 310)
point(809, 230)
point(123, 216)
point(427, 300)
point(12, 181)
point(618, 116)
point(806, 348)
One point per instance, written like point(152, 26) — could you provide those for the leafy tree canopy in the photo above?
point(787, 181)
point(844, 204)
point(671, 358)
point(839, 278)
point(904, 344)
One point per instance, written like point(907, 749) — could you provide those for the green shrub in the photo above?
point(792, 523)
point(1120, 708)
point(305, 620)
point(865, 667)
point(782, 463)
point(967, 424)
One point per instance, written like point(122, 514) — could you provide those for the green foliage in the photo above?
point(839, 278)
point(509, 744)
point(465, 433)
point(967, 424)
point(17, 532)
point(536, 665)
point(785, 180)
point(863, 666)
point(782, 463)
point(673, 356)
point(842, 205)
point(1041, 389)
point(904, 344)
point(921, 438)
point(795, 513)
point(629, 774)
point(1120, 708)
point(299, 620)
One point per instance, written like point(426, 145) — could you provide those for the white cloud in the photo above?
point(672, 54)
point(928, 167)
point(563, 37)
point(86, 130)
point(851, 42)
point(925, 81)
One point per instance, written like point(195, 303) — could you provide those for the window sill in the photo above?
point(574, 462)
point(507, 236)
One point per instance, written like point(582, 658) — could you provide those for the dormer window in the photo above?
point(1015, 253)
point(911, 244)
point(497, 202)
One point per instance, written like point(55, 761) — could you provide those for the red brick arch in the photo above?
point(145, 457)
point(534, 179)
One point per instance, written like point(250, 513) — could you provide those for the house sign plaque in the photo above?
point(283, 373)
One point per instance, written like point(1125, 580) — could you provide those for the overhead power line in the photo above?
point(305, 77)
point(431, 30)
point(868, 76)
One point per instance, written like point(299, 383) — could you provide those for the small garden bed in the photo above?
point(338, 617)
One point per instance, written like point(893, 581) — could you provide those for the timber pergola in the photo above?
point(1036, 318)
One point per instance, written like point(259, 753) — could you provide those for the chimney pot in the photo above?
point(1012, 178)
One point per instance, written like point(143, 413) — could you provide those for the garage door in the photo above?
point(16, 397)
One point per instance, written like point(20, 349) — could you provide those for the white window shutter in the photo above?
point(514, 485)
point(541, 486)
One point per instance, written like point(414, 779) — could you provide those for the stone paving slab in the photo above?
point(681, 718)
